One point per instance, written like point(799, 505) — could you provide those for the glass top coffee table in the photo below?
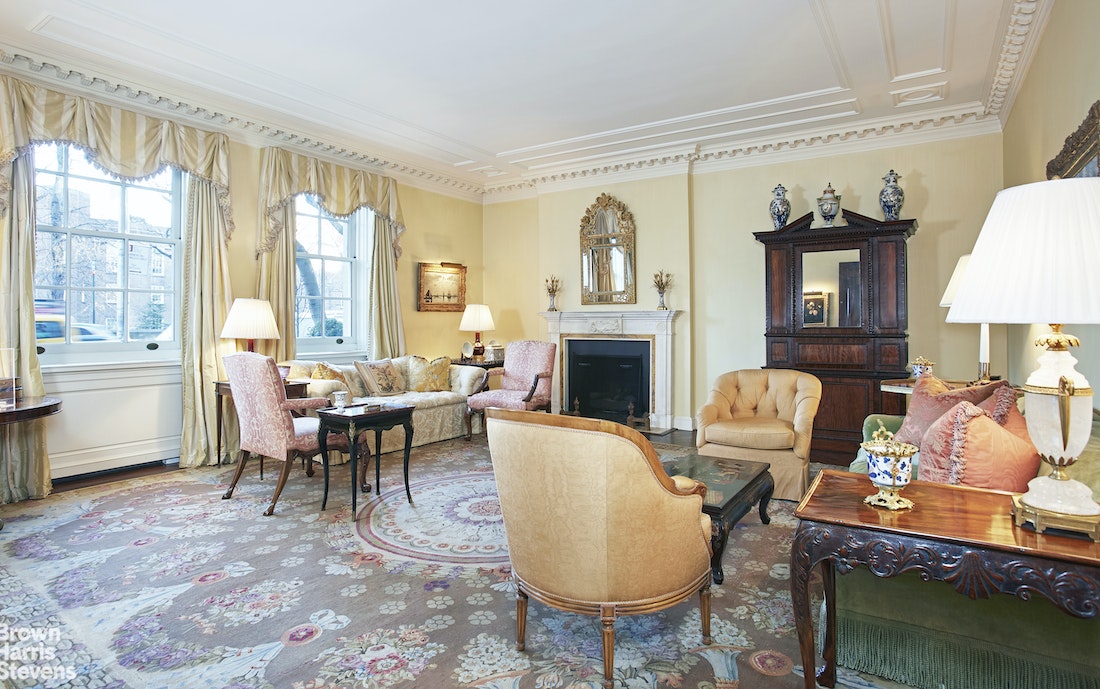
point(733, 487)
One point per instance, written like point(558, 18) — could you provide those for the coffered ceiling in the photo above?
point(495, 96)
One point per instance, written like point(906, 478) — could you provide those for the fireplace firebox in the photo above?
point(608, 379)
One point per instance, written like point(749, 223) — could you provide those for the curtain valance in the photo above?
point(124, 143)
point(341, 191)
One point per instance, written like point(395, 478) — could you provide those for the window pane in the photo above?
point(337, 318)
point(307, 233)
point(95, 262)
point(309, 277)
point(94, 205)
point(49, 259)
point(310, 314)
point(161, 180)
point(150, 315)
point(151, 266)
point(48, 157)
point(150, 212)
point(49, 195)
point(337, 279)
point(333, 238)
point(101, 308)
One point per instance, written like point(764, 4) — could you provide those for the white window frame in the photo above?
point(165, 348)
point(359, 243)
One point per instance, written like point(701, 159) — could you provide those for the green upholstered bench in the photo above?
point(927, 635)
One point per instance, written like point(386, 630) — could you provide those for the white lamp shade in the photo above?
point(250, 319)
point(956, 278)
point(476, 318)
point(1036, 257)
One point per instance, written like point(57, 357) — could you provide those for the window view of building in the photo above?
point(106, 267)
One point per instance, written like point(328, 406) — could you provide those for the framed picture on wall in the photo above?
point(1080, 156)
point(815, 309)
point(441, 287)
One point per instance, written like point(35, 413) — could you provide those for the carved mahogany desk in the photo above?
point(963, 536)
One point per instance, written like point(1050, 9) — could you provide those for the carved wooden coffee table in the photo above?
point(733, 487)
point(964, 536)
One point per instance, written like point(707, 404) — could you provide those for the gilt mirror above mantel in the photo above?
point(837, 307)
point(607, 253)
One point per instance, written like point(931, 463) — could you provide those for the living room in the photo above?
point(695, 219)
point(695, 215)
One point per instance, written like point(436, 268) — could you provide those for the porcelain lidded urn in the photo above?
point(890, 467)
point(828, 204)
point(780, 207)
point(892, 196)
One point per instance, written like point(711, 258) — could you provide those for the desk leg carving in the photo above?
point(801, 573)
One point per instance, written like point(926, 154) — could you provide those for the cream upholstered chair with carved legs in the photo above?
point(268, 428)
point(594, 524)
point(525, 380)
point(763, 415)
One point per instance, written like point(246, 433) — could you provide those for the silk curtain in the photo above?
point(24, 461)
point(133, 145)
point(341, 191)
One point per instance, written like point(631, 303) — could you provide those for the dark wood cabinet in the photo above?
point(837, 307)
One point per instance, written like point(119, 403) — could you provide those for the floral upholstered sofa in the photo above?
point(437, 388)
point(927, 635)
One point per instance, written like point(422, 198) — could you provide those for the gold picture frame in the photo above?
point(815, 309)
point(1080, 156)
point(441, 287)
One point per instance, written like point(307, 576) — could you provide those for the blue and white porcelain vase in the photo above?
point(890, 467)
point(892, 196)
point(828, 204)
point(780, 207)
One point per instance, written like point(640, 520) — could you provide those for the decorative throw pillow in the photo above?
point(1001, 405)
point(429, 376)
point(326, 371)
point(966, 446)
point(931, 398)
point(381, 377)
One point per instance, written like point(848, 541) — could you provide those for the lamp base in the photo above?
point(1067, 497)
point(1045, 519)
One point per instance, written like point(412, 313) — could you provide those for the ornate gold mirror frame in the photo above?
point(607, 253)
point(1080, 157)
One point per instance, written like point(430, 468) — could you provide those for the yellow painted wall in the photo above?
point(1062, 83)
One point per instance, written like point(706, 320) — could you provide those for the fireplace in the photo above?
point(607, 379)
point(653, 329)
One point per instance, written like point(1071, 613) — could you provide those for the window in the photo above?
point(106, 277)
point(333, 268)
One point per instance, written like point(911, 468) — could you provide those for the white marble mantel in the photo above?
point(655, 327)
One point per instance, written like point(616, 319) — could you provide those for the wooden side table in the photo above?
point(960, 535)
point(352, 421)
point(27, 409)
point(294, 389)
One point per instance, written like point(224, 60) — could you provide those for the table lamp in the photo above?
point(983, 342)
point(1035, 261)
point(476, 318)
point(250, 319)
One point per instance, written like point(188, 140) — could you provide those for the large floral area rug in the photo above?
point(158, 582)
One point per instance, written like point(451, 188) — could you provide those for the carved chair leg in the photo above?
point(704, 613)
point(287, 464)
point(607, 618)
point(521, 619)
point(242, 457)
point(469, 423)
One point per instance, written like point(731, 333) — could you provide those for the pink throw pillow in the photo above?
point(1001, 405)
point(931, 398)
point(967, 447)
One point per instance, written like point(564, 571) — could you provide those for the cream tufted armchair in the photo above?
point(594, 524)
point(763, 415)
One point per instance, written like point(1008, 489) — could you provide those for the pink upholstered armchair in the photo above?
point(525, 381)
point(268, 428)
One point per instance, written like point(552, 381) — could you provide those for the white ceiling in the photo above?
point(496, 95)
